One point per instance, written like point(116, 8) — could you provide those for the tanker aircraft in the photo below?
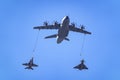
point(63, 29)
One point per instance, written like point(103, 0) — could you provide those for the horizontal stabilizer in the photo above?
point(51, 36)
point(29, 68)
point(67, 39)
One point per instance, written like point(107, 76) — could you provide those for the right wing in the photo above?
point(48, 27)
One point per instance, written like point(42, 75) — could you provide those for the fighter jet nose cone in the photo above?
point(82, 61)
point(67, 17)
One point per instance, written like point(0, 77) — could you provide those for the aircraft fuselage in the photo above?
point(31, 64)
point(64, 29)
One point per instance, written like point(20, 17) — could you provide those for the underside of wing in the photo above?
point(47, 27)
point(81, 30)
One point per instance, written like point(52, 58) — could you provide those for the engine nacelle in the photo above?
point(45, 23)
point(55, 23)
point(82, 27)
point(73, 24)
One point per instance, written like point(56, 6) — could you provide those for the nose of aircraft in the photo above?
point(67, 17)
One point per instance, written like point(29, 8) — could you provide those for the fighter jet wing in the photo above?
point(75, 29)
point(26, 64)
point(34, 65)
point(85, 67)
point(80, 67)
point(47, 27)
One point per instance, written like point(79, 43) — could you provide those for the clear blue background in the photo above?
point(56, 61)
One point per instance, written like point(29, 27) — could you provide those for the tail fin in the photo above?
point(51, 36)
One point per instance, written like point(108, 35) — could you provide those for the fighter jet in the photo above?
point(30, 64)
point(63, 29)
point(81, 66)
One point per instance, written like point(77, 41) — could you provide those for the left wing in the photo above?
point(47, 27)
point(81, 30)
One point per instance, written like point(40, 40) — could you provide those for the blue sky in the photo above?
point(56, 61)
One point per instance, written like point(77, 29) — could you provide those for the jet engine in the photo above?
point(73, 24)
point(55, 23)
point(45, 23)
point(82, 27)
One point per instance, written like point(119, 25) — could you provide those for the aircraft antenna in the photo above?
point(83, 43)
point(36, 41)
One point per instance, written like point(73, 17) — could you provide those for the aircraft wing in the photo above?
point(26, 64)
point(85, 67)
point(47, 27)
point(35, 65)
point(75, 29)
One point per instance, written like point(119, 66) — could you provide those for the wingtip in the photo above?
point(88, 33)
point(36, 28)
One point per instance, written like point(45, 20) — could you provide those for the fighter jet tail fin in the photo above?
point(67, 39)
point(51, 36)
